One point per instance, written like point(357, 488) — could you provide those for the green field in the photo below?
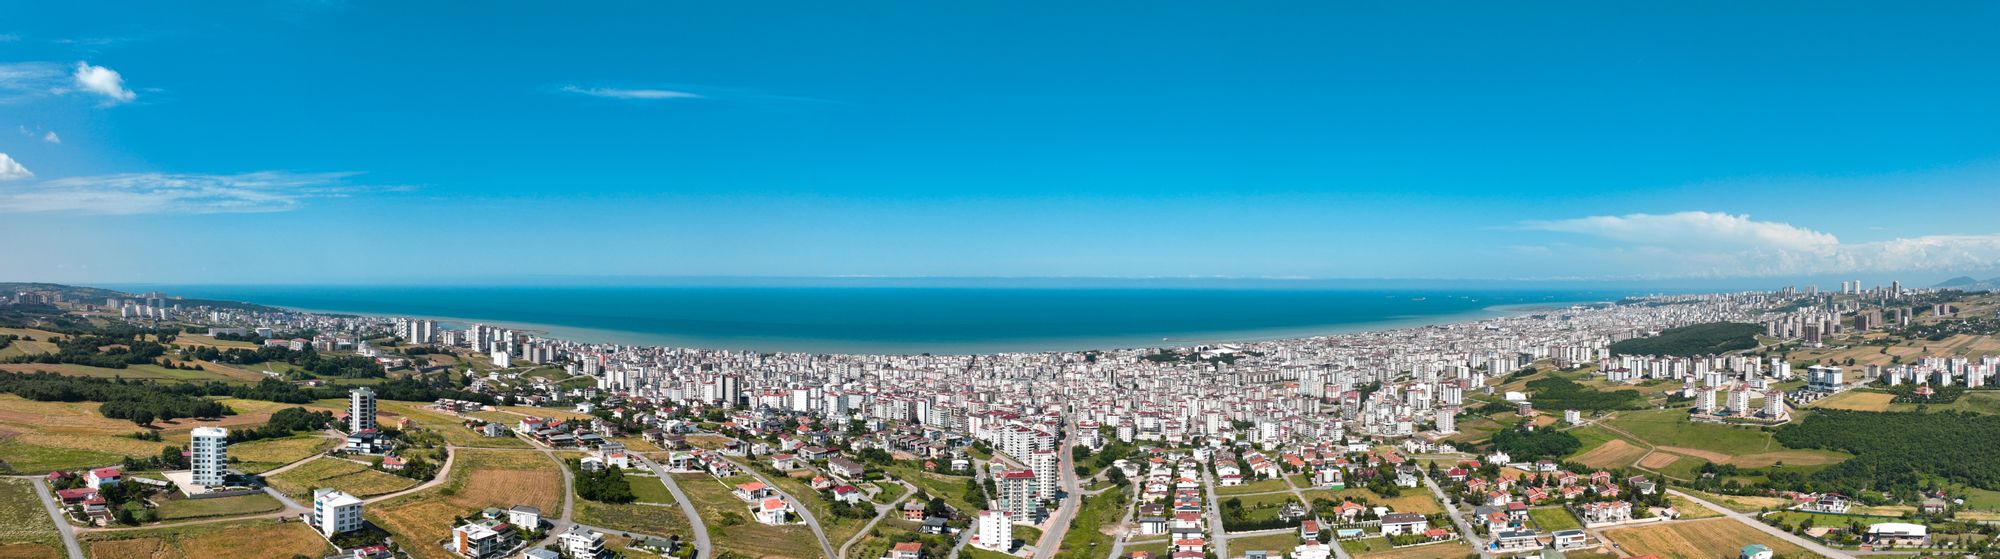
point(23, 521)
point(354, 478)
point(1280, 545)
point(1550, 519)
point(256, 457)
point(650, 490)
point(1085, 539)
point(662, 521)
point(183, 509)
point(949, 488)
point(1260, 486)
point(731, 527)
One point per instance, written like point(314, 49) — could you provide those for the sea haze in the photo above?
point(904, 319)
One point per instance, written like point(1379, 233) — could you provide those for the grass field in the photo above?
point(1550, 519)
point(1378, 548)
point(37, 437)
point(662, 521)
point(183, 509)
point(1280, 545)
point(1086, 538)
point(1742, 503)
point(1857, 400)
point(451, 427)
point(1690, 510)
point(838, 529)
point(1719, 537)
point(354, 478)
point(257, 457)
point(650, 490)
point(1412, 500)
point(732, 529)
point(257, 539)
point(1259, 508)
point(24, 527)
point(949, 488)
point(1263, 486)
point(1671, 432)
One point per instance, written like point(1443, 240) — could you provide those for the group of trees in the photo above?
point(1535, 444)
point(605, 486)
point(104, 351)
point(308, 360)
point(140, 403)
point(1563, 394)
point(1899, 452)
point(282, 424)
point(1701, 339)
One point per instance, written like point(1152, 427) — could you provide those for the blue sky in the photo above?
point(386, 142)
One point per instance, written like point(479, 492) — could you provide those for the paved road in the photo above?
point(1451, 509)
point(965, 536)
point(1795, 539)
point(1217, 534)
point(701, 543)
point(805, 513)
point(55, 514)
point(1066, 510)
point(1301, 496)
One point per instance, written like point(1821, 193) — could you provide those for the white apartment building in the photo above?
point(360, 410)
point(335, 512)
point(209, 455)
point(994, 531)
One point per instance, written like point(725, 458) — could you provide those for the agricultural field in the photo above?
point(37, 437)
point(1689, 510)
point(732, 529)
point(1740, 503)
point(354, 478)
point(256, 457)
point(1857, 400)
point(448, 425)
point(418, 522)
point(198, 340)
point(256, 539)
point(1378, 548)
point(25, 529)
point(1717, 537)
point(1280, 545)
point(183, 509)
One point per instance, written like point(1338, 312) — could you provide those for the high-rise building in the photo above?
point(1045, 465)
point(360, 409)
point(1017, 496)
point(335, 512)
point(995, 531)
point(1447, 419)
point(209, 455)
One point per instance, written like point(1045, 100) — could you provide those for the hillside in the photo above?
point(1699, 339)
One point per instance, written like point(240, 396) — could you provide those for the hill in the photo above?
point(1967, 283)
point(1699, 339)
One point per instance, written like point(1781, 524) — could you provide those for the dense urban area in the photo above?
point(1798, 422)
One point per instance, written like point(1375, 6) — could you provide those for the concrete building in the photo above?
point(209, 456)
point(334, 512)
point(360, 410)
point(994, 531)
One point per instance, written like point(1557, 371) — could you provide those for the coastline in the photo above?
point(1019, 345)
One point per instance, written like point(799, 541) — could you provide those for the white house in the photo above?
point(334, 512)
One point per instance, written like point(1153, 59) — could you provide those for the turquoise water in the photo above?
point(903, 319)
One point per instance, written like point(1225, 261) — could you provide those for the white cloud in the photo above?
point(148, 193)
point(52, 138)
point(1711, 244)
point(102, 81)
point(617, 93)
point(12, 170)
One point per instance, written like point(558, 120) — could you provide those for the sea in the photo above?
point(908, 319)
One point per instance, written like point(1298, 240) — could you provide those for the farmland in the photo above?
point(478, 479)
point(352, 477)
point(258, 539)
point(1410, 501)
point(1671, 432)
point(37, 437)
point(183, 509)
point(25, 529)
point(1702, 538)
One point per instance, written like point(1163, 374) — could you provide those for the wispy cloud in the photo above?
point(11, 170)
point(103, 81)
point(51, 137)
point(622, 93)
point(21, 81)
point(46, 136)
point(180, 193)
point(1714, 244)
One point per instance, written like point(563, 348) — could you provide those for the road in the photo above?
point(55, 514)
point(1795, 539)
point(965, 536)
point(1301, 496)
point(1217, 534)
point(1451, 509)
point(1066, 510)
point(695, 525)
point(1118, 543)
point(444, 471)
point(805, 513)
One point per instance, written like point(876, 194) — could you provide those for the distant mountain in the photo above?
point(1966, 283)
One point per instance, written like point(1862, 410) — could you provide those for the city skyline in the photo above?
point(336, 142)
